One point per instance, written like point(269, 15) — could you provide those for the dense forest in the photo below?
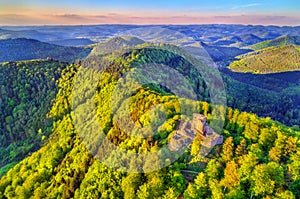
point(267, 95)
point(24, 104)
point(258, 159)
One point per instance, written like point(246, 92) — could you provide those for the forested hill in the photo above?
point(280, 41)
point(28, 49)
point(269, 60)
point(259, 158)
point(116, 43)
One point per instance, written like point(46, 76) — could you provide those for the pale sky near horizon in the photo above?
point(69, 12)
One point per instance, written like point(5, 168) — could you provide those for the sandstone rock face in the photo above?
point(188, 130)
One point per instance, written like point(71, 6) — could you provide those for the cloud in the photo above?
point(112, 14)
point(246, 6)
point(67, 15)
point(19, 19)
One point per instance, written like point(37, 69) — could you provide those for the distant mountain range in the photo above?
point(73, 42)
point(219, 54)
point(27, 49)
point(204, 33)
point(238, 41)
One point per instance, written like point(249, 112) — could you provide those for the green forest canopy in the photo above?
point(259, 158)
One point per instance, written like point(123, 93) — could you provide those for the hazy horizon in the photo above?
point(92, 12)
point(161, 24)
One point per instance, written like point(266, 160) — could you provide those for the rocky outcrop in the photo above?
point(187, 131)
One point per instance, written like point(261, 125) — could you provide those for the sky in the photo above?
point(71, 12)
